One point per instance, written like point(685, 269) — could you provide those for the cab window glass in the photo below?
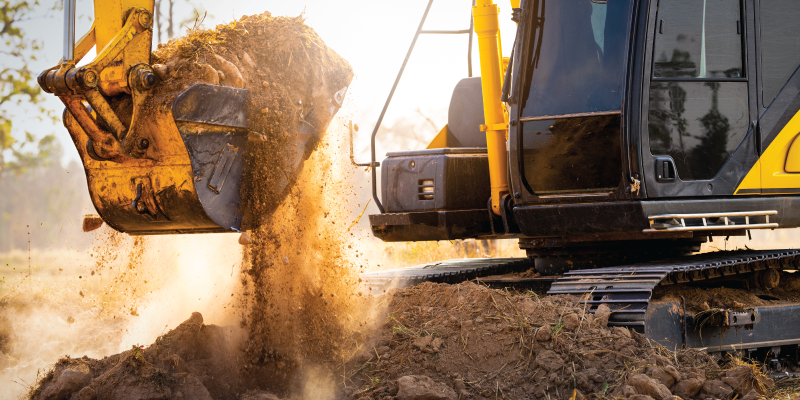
point(780, 44)
point(698, 106)
point(698, 39)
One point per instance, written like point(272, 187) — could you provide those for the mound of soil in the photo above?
point(438, 341)
point(193, 361)
point(468, 341)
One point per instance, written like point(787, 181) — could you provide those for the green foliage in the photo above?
point(137, 353)
point(18, 86)
point(375, 381)
point(399, 328)
point(556, 329)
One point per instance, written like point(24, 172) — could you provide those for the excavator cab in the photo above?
point(627, 122)
point(155, 170)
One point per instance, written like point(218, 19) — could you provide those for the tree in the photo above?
point(18, 85)
point(165, 21)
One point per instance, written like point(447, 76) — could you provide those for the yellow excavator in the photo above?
point(618, 137)
point(174, 169)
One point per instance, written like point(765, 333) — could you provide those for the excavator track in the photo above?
point(627, 290)
point(450, 271)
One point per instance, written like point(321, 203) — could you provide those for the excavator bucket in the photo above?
point(165, 148)
point(191, 181)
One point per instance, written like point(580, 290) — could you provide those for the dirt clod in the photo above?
point(571, 321)
point(601, 315)
point(647, 386)
point(688, 388)
point(67, 381)
point(715, 389)
point(412, 387)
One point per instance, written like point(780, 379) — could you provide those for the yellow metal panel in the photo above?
point(108, 21)
point(773, 160)
point(440, 141)
point(109, 17)
point(752, 181)
point(793, 158)
point(771, 166)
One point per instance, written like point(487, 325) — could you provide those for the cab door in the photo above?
point(697, 134)
point(778, 44)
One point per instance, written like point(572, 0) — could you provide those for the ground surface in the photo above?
point(436, 341)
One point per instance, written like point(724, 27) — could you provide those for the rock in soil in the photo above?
point(413, 387)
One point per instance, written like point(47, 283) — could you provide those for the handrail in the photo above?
point(373, 163)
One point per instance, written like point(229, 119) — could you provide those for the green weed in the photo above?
point(400, 328)
point(136, 352)
point(556, 329)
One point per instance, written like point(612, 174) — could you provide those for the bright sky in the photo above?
point(373, 36)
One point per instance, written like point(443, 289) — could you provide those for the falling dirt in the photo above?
point(296, 85)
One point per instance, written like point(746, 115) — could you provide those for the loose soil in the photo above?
point(699, 299)
point(437, 341)
point(487, 343)
point(293, 79)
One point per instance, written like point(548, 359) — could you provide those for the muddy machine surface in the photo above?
point(617, 138)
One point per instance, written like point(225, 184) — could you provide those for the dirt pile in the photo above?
point(193, 361)
point(438, 341)
point(468, 341)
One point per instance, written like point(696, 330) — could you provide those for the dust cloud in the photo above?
point(760, 239)
point(122, 291)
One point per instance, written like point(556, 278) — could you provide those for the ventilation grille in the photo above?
point(425, 189)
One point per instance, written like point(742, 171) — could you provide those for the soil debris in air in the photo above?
point(296, 84)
